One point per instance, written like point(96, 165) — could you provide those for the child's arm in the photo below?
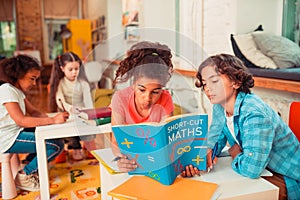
point(32, 111)
point(115, 120)
point(258, 141)
point(124, 164)
point(22, 120)
point(234, 150)
point(60, 95)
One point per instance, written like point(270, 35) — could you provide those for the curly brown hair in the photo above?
point(14, 68)
point(231, 66)
point(57, 74)
point(148, 59)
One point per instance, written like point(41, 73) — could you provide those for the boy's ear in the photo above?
point(236, 85)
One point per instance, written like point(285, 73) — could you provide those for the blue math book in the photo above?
point(162, 150)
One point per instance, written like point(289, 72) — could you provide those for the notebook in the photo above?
point(143, 187)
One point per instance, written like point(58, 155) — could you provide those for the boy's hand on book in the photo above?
point(209, 160)
point(126, 165)
point(190, 171)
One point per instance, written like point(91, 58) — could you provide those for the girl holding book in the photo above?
point(70, 91)
point(257, 135)
point(148, 66)
point(17, 117)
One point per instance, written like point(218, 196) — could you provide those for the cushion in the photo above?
point(239, 54)
point(248, 48)
point(284, 52)
point(102, 97)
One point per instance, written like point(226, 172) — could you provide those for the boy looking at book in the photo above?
point(257, 136)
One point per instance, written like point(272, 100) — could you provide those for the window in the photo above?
point(7, 39)
point(291, 20)
point(56, 14)
point(54, 41)
point(7, 29)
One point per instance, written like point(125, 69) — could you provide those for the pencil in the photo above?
point(116, 159)
point(214, 152)
point(62, 105)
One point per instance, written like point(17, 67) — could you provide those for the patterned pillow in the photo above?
point(248, 48)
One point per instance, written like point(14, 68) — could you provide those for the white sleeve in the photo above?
point(60, 95)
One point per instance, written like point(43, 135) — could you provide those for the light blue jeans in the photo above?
point(25, 143)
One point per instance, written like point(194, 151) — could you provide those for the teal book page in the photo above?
point(147, 145)
point(187, 142)
point(162, 150)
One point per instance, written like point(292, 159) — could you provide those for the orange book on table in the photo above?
point(145, 188)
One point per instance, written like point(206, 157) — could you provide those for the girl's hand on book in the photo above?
point(75, 110)
point(126, 165)
point(190, 171)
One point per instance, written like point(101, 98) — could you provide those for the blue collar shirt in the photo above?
point(265, 139)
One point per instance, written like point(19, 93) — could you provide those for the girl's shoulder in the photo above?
point(8, 86)
point(252, 103)
point(11, 90)
point(166, 93)
point(253, 100)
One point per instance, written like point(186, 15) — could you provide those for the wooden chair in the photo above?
point(10, 165)
point(294, 118)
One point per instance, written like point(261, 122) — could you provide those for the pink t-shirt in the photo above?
point(123, 104)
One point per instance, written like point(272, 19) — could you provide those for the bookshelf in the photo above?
point(99, 31)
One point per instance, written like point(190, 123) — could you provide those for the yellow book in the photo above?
point(145, 188)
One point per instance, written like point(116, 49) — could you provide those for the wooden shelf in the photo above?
point(98, 28)
point(262, 82)
point(277, 84)
point(186, 72)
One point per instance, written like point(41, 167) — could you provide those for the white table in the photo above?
point(231, 185)
point(234, 186)
point(73, 127)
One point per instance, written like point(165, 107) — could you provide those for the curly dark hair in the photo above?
point(230, 65)
point(148, 59)
point(57, 74)
point(14, 68)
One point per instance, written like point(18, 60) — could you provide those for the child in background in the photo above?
point(257, 136)
point(18, 116)
point(70, 90)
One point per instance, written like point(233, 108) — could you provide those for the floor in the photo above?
point(39, 98)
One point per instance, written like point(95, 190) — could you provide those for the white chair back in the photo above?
point(94, 72)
